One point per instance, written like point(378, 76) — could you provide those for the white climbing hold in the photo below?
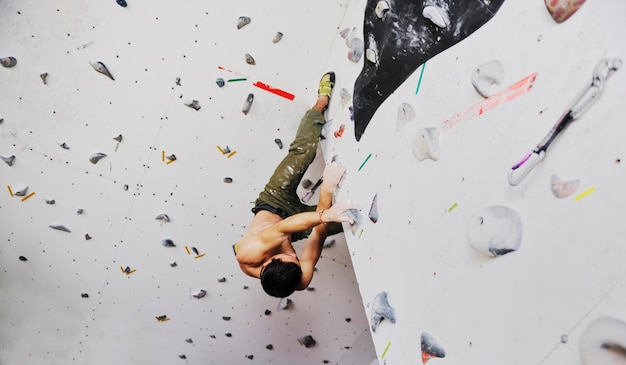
point(247, 104)
point(405, 114)
point(603, 342)
point(9, 160)
point(164, 218)
point(381, 309)
point(277, 37)
point(563, 189)
point(437, 15)
point(486, 75)
point(100, 67)
point(373, 213)
point(60, 227)
point(243, 21)
point(21, 191)
point(371, 55)
point(194, 104)
point(284, 303)
point(382, 7)
point(8, 61)
point(199, 295)
point(426, 144)
point(495, 230)
point(345, 96)
point(250, 60)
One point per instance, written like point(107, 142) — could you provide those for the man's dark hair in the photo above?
point(279, 279)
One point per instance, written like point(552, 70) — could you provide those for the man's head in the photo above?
point(280, 278)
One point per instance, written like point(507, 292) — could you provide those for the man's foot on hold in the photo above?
point(325, 88)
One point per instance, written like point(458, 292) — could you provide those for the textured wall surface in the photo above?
point(530, 306)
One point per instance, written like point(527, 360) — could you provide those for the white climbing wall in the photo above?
point(527, 307)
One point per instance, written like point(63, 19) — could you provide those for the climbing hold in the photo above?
point(178, 81)
point(84, 295)
point(189, 340)
point(250, 357)
point(373, 213)
point(220, 82)
point(199, 295)
point(563, 189)
point(221, 279)
point(405, 114)
point(243, 21)
point(328, 243)
point(307, 341)
point(22, 258)
point(163, 218)
point(279, 143)
point(44, 78)
point(431, 348)
point(277, 37)
point(195, 250)
point(228, 180)
point(80, 211)
point(160, 318)
point(306, 183)
point(96, 157)
point(22, 191)
point(183, 355)
point(426, 144)
point(284, 303)
point(486, 75)
point(167, 242)
point(195, 104)
point(50, 201)
point(9, 160)
point(356, 217)
point(345, 96)
point(357, 46)
point(173, 264)
point(171, 158)
point(268, 312)
point(382, 7)
point(8, 61)
point(226, 318)
point(246, 106)
point(64, 146)
point(495, 230)
point(371, 54)
point(121, 3)
point(561, 10)
point(338, 133)
point(87, 236)
point(348, 319)
point(118, 138)
point(228, 334)
point(437, 15)
point(603, 341)
point(269, 347)
point(60, 227)
point(250, 60)
point(381, 310)
point(100, 67)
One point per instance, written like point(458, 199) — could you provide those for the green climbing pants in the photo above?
point(279, 195)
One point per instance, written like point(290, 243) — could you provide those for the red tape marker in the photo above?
point(274, 90)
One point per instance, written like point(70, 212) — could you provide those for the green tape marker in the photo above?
point(386, 348)
point(363, 164)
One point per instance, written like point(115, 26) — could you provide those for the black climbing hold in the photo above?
point(123, 4)
point(226, 318)
point(348, 319)
point(22, 258)
point(167, 242)
point(307, 341)
point(183, 355)
point(228, 180)
point(84, 295)
point(269, 347)
point(189, 340)
point(279, 143)
point(268, 312)
point(195, 250)
point(220, 82)
point(250, 357)
point(228, 335)
point(87, 236)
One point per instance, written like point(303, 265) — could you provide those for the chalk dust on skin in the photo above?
point(404, 39)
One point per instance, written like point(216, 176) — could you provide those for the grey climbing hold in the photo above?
point(171, 157)
point(50, 201)
point(44, 78)
point(247, 105)
point(345, 96)
point(486, 75)
point(9, 160)
point(277, 37)
point(307, 341)
point(563, 189)
point(426, 144)
point(8, 61)
point(60, 227)
point(80, 211)
point(64, 146)
point(87, 236)
point(118, 138)
point(100, 67)
point(437, 15)
point(382, 7)
point(405, 114)
point(228, 180)
point(195, 104)
point(97, 157)
point(21, 191)
point(250, 60)
point(279, 143)
point(220, 82)
point(430, 348)
point(189, 340)
point(357, 46)
point(221, 279)
point(284, 303)
point(381, 310)
point(182, 356)
point(163, 218)
point(355, 214)
point(243, 21)
point(173, 264)
point(495, 230)
point(201, 294)
point(373, 213)
point(310, 288)
point(167, 242)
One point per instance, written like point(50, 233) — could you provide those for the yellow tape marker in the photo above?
point(360, 233)
point(162, 155)
point(585, 193)
point(121, 268)
point(131, 271)
point(170, 161)
point(386, 348)
point(452, 207)
point(187, 248)
point(221, 150)
point(28, 196)
point(201, 255)
point(10, 191)
point(231, 154)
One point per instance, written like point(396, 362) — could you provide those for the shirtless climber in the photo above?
point(265, 250)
